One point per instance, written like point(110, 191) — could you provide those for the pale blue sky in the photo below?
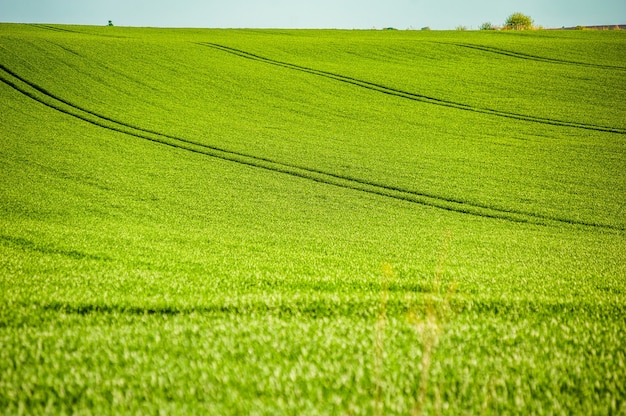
point(345, 14)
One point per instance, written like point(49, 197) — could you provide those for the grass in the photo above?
point(312, 222)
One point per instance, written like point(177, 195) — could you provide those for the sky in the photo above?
point(340, 14)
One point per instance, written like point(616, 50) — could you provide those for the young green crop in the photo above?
point(317, 222)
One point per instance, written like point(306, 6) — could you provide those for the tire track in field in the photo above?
point(409, 95)
point(365, 305)
point(55, 29)
point(62, 30)
point(28, 245)
point(48, 99)
point(530, 57)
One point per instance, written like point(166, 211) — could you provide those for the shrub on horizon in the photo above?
point(518, 21)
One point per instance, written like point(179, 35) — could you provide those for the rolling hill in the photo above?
point(312, 221)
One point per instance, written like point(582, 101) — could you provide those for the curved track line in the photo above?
point(521, 55)
point(409, 95)
point(46, 98)
point(55, 29)
point(58, 29)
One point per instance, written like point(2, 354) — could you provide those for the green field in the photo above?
point(312, 221)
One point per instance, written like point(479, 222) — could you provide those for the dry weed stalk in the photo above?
point(381, 323)
point(429, 327)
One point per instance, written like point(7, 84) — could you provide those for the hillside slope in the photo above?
point(240, 221)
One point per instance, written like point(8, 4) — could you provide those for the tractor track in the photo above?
point(46, 98)
point(530, 57)
point(409, 95)
point(53, 28)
